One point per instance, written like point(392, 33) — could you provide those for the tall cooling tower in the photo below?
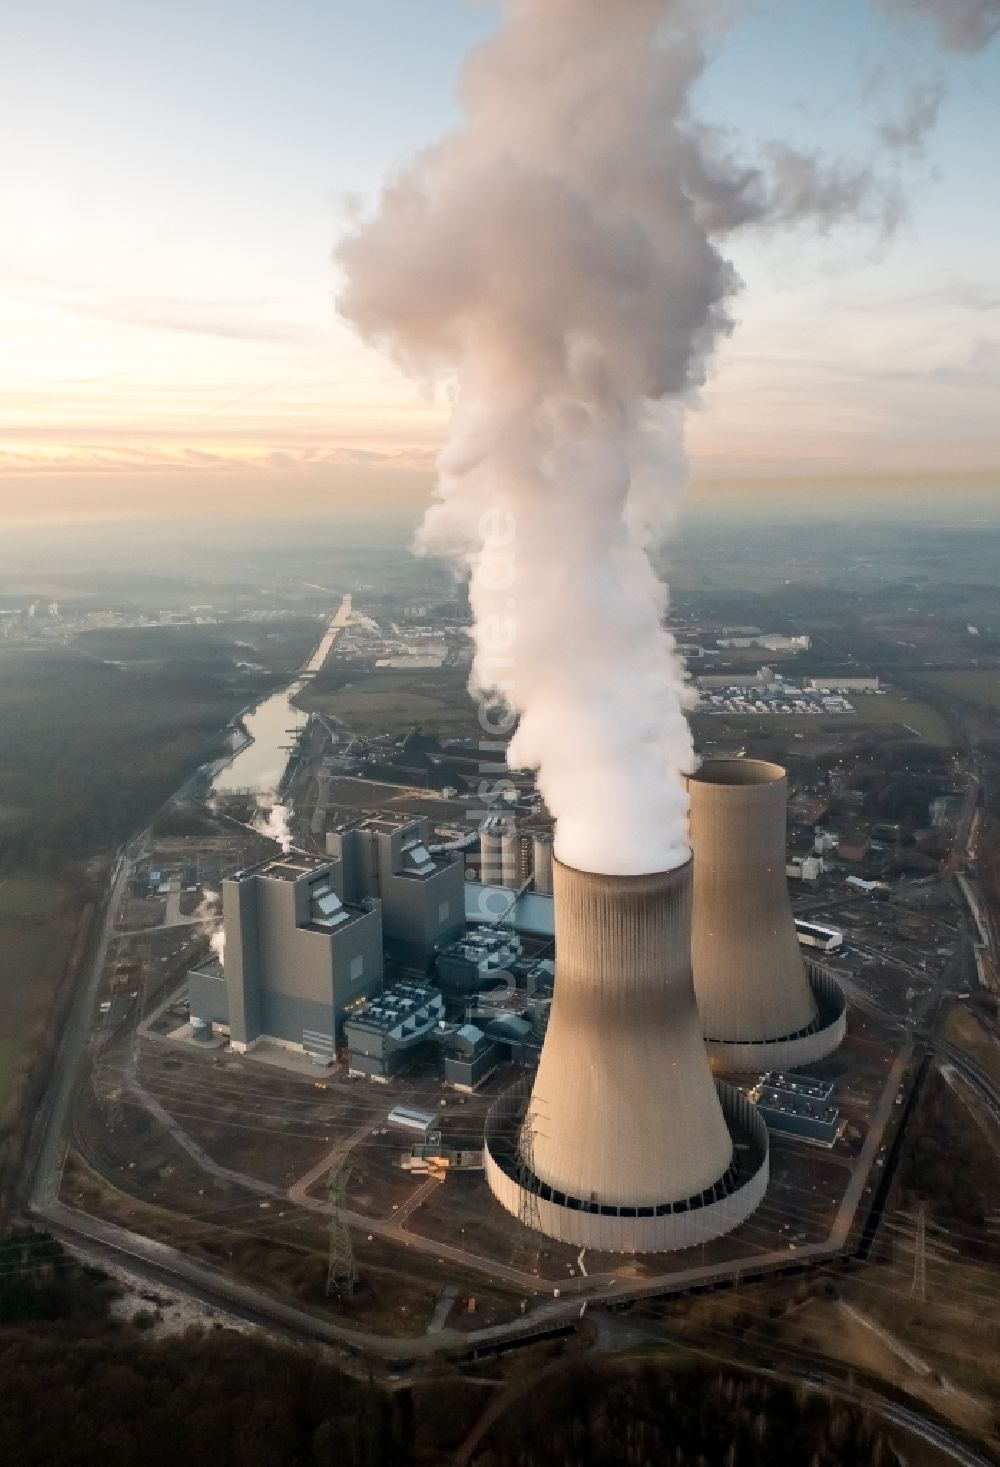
point(627, 1142)
point(763, 1006)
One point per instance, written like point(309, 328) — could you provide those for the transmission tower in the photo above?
point(341, 1275)
point(919, 1287)
point(528, 1212)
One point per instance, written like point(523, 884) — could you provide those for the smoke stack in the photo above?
point(762, 1005)
point(628, 1143)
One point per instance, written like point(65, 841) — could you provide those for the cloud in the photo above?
point(787, 187)
point(963, 25)
point(155, 457)
point(908, 132)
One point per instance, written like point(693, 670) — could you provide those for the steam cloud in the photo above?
point(550, 251)
point(556, 253)
point(207, 913)
point(277, 824)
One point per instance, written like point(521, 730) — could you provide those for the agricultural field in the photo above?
point(976, 685)
point(392, 701)
point(39, 923)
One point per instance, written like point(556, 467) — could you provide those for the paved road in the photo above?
point(298, 1192)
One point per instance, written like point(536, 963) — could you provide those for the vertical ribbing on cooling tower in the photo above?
point(624, 1110)
point(749, 976)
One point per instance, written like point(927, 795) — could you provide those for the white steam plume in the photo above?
point(207, 913)
point(277, 824)
point(550, 251)
point(555, 252)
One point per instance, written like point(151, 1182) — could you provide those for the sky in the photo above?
point(174, 178)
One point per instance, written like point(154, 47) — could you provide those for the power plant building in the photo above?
point(383, 1033)
point(296, 956)
point(385, 857)
point(478, 961)
point(627, 1143)
point(763, 1005)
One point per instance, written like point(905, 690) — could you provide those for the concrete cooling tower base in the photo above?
point(791, 1051)
point(666, 1228)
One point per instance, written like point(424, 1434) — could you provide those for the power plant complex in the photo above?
point(624, 1140)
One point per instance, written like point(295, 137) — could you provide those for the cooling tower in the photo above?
point(627, 1143)
point(762, 1005)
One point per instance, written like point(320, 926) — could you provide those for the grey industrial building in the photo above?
point(384, 1032)
point(478, 961)
point(470, 1057)
point(296, 956)
point(797, 1105)
point(385, 857)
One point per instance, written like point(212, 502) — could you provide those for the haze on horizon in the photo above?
point(166, 282)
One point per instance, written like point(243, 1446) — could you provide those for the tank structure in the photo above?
point(763, 1005)
point(511, 861)
point(626, 1143)
point(491, 834)
point(541, 862)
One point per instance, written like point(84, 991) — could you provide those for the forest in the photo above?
point(82, 1385)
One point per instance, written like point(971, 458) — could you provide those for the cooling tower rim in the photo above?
point(674, 1225)
point(626, 885)
point(737, 774)
point(793, 1051)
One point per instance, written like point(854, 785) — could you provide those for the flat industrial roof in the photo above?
point(533, 912)
point(286, 868)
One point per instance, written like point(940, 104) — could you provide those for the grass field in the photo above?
point(896, 708)
point(392, 701)
point(979, 685)
point(28, 896)
point(38, 923)
point(964, 1031)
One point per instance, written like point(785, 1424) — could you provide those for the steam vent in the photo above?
point(762, 1005)
point(627, 1143)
